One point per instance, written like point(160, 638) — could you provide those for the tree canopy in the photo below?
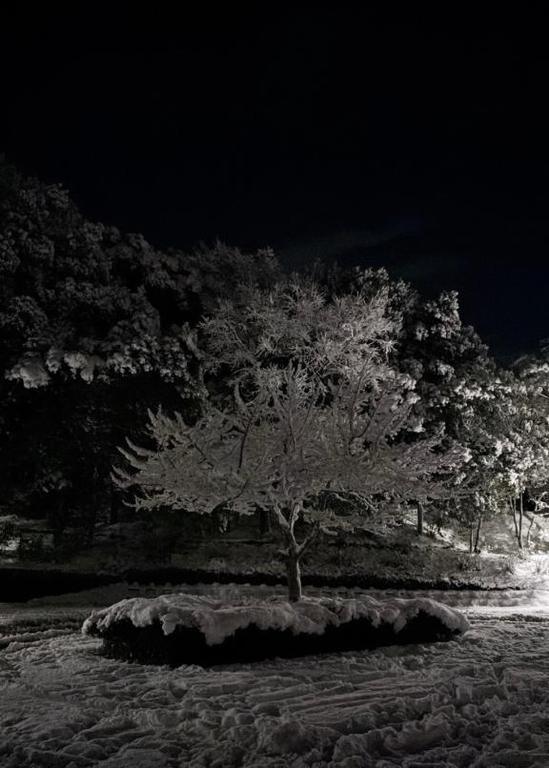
point(315, 407)
point(349, 374)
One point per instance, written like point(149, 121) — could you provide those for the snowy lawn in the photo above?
point(481, 700)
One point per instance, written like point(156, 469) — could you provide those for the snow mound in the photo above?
point(217, 622)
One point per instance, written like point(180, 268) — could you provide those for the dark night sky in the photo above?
point(414, 141)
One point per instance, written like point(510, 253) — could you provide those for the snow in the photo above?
point(478, 701)
point(217, 620)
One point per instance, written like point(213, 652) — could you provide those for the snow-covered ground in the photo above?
point(482, 700)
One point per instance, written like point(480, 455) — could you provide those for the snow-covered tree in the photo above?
point(314, 407)
point(506, 425)
point(438, 350)
point(93, 331)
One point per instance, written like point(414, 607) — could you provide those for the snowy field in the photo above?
point(482, 700)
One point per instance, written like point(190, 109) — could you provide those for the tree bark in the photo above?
point(518, 532)
point(419, 518)
point(477, 533)
point(471, 538)
point(293, 573)
point(532, 521)
point(294, 551)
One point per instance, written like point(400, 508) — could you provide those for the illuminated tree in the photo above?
point(505, 423)
point(314, 408)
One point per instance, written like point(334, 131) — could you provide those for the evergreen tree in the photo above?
point(95, 327)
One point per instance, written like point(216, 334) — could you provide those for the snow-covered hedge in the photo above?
point(184, 628)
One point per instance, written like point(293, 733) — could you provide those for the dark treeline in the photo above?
point(98, 326)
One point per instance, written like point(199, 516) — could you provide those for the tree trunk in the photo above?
point(294, 551)
point(293, 573)
point(264, 522)
point(477, 533)
point(471, 538)
point(521, 517)
point(532, 521)
point(419, 518)
point(518, 532)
